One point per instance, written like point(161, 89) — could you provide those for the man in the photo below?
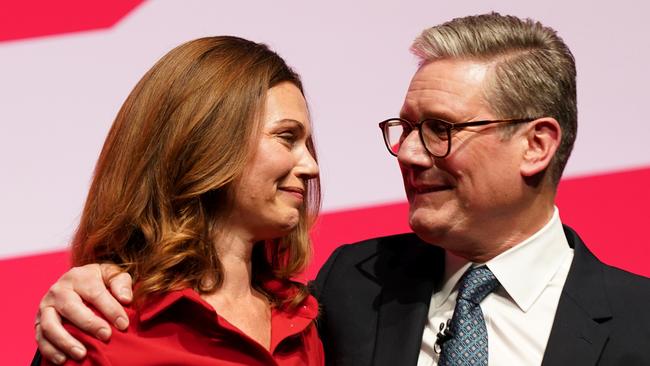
point(486, 128)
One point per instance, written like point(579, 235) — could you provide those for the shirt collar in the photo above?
point(157, 304)
point(539, 257)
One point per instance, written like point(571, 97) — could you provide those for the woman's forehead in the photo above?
point(285, 104)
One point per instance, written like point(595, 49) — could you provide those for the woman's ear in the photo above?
point(543, 137)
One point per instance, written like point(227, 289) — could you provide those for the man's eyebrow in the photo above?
point(427, 114)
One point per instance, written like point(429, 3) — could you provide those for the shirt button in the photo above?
point(291, 325)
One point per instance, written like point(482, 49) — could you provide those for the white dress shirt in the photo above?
point(518, 314)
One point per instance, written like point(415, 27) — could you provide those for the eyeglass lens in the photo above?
point(435, 135)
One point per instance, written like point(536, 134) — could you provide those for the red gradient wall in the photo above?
point(609, 211)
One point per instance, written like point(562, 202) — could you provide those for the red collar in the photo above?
point(284, 323)
point(157, 304)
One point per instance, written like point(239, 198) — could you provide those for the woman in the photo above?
point(204, 192)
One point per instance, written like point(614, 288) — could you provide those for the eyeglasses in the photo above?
point(435, 134)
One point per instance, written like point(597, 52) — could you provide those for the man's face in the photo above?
point(465, 199)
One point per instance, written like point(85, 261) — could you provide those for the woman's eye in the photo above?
point(289, 137)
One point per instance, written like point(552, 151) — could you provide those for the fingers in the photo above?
point(66, 298)
point(48, 328)
point(48, 351)
point(120, 283)
point(90, 285)
point(76, 312)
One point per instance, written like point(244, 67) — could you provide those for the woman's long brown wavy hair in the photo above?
point(166, 172)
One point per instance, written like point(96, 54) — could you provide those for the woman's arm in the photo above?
point(90, 283)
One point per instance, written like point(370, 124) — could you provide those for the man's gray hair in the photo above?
point(533, 73)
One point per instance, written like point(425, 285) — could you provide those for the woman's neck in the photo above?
point(235, 254)
point(236, 300)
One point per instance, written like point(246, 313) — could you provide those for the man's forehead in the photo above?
point(449, 71)
point(444, 88)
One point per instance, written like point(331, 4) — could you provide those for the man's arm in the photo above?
point(90, 283)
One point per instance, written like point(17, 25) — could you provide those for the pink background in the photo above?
point(66, 67)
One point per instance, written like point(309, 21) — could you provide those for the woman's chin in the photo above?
point(280, 229)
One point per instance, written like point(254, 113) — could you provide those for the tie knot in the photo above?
point(476, 284)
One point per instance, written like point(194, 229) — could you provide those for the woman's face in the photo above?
point(272, 189)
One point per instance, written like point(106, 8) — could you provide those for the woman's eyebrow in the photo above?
point(291, 121)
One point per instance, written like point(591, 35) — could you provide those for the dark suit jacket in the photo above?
point(375, 299)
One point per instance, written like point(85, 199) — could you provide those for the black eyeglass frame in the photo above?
point(449, 126)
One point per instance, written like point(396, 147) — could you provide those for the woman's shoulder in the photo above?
point(143, 339)
point(98, 351)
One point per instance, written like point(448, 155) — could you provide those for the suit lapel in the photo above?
point(581, 326)
point(410, 278)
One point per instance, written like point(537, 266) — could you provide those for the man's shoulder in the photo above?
point(623, 281)
point(391, 244)
point(374, 261)
point(616, 279)
point(627, 294)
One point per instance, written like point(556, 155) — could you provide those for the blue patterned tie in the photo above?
point(469, 342)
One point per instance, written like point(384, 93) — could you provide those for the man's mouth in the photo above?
point(422, 189)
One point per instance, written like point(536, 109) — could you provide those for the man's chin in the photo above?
point(430, 229)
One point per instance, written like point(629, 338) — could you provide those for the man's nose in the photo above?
point(412, 152)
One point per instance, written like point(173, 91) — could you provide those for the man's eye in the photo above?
point(435, 129)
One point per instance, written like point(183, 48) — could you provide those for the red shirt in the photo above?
point(180, 328)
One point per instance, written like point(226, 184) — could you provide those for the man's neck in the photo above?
point(503, 233)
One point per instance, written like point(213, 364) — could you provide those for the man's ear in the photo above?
point(542, 141)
